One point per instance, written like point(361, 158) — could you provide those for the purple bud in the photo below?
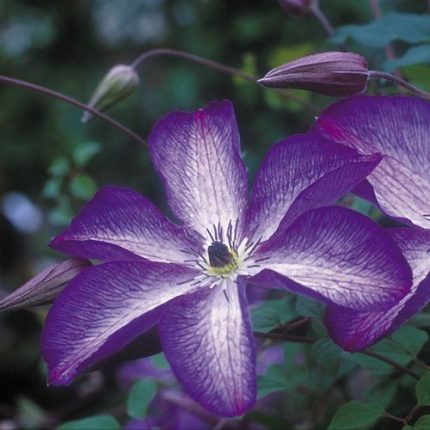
point(297, 7)
point(46, 286)
point(338, 74)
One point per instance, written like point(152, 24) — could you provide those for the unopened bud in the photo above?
point(338, 74)
point(297, 7)
point(117, 84)
point(46, 286)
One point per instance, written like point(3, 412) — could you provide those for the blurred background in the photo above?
point(51, 163)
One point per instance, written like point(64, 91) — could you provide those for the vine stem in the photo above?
point(232, 71)
point(322, 18)
point(291, 338)
point(70, 100)
point(376, 74)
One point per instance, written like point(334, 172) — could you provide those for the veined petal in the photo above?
point(198, 157)
point(121, 224)
point(399, 128)
point(355, 331)
point(338, 256)
point(104, 308)
point(302, 173)
point(207, 339)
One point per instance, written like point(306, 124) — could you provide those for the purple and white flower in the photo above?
point(397, 127)
point(190, 278)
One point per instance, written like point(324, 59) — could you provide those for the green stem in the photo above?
point(59, 96)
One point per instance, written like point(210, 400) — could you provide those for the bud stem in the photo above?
point(213, 65)
point(55, 94)
point(375, 74)
point(322, 18)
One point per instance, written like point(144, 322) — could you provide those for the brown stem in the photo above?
point(290, 338)
point(232, 71)
point(375, 74)
point(412, 413)
point(59, 96)
point(393, 417)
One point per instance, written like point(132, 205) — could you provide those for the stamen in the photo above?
point(185, 282)
point(219, 255)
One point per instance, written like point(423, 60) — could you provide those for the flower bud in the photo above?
point(338, 74)
point(45, 287)
point(297, 7)
point(118, 83)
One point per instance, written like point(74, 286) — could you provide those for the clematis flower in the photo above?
point(355, 331)
point(398, 127)
point(190, 278)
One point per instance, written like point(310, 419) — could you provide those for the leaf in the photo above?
point(327, 355)
point(272, 314)
point(82, 187)
point(415, 55)
point(309, 308)
point(100, 422)
point(85, 152)
point(355, 415)
point(423, 423)
point(275, 379)
point(411, 339)
point(410, 28)
point(59, 167)
point(422, 389)
point(141, 395)
point(52, 188)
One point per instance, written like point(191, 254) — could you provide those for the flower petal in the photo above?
point(198, 157)
point(207, 339)
point(120, 224)
point(355, 331)
point(398, 127)
point(302, 173)
point(103, 309)
point(338, 256)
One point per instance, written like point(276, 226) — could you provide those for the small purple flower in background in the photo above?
point(355, 331)
point(190, 279)
point(398, 127)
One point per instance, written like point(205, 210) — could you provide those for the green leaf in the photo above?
point(85, 152)
point(408, 28)
point(309, 308)
point(159, 361)
point(422, 389)
point(423, 423)
point(411, 339)
point(141, 395)
point(82, 187)
point(275, 379)
point(355, 415)
point(418, 75)
point(272, 314)
point(327, 355)
point(100, 422)
point(52, 188)
point(415, 55)
point(59, 167)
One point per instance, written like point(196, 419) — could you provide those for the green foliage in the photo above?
point(393, 26)
point(100, 422)
point(355, 415)
point(422, 390)
point(275, 379)
point(422, 423)
point(307, 307)
point(140, 396)
point(327, 355)
point(82, 187)
point(415, 55)
point(271, 314)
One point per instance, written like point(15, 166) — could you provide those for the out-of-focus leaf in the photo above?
point(393, 26)
point(275, 379)
point(60, 167)
point(422, 390)
point(30, 415)
point(272, 314)
point(355, 415)
point(309, 308)
point(52, 188)
point(423, 423)
point(100, 422)
point(82, 187)
point(419, 75)
point(85, 152)
point(383, 394)
point(327, 355)
point(63, 213)
point(159, 361)
point(411, 339)
point(141, 395)
point(415, 55)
